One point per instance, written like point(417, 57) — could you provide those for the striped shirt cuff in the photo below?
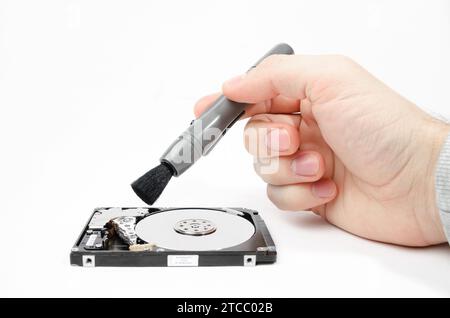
point(443, 186)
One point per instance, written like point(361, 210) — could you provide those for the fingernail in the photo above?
point(278, 140)
point(305, 165)
point(324, 189)
point(235, 80)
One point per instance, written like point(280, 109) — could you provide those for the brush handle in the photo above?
point(204, 132)
point(223, 113)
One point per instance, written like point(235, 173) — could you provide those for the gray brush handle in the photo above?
point(204, 132)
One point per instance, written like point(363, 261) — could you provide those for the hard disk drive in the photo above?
point(174, 237)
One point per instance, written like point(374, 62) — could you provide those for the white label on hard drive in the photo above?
point(182, 260)
point(91, 240)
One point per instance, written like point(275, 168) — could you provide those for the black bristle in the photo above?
point(150, 186)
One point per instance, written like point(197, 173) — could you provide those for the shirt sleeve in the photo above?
point(442, 183)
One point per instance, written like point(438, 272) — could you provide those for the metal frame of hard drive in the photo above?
point(259, 249)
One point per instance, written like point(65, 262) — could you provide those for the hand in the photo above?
point(359, 155)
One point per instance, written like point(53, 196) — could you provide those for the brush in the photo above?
point(196, 141)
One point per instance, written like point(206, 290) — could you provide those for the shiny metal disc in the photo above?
point(222, 229)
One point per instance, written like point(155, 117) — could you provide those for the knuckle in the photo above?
point(340, 63)
point(343, 59)
point(272, 60)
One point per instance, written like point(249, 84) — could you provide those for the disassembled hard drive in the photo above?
point(174, 237)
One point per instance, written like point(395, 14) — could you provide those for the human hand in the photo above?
point(359, 155)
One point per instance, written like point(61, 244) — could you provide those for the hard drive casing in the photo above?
point(103, 251)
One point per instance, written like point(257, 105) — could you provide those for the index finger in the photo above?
point(293, 76)
point(277, 105)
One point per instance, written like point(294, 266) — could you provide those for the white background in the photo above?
point(92, 92)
